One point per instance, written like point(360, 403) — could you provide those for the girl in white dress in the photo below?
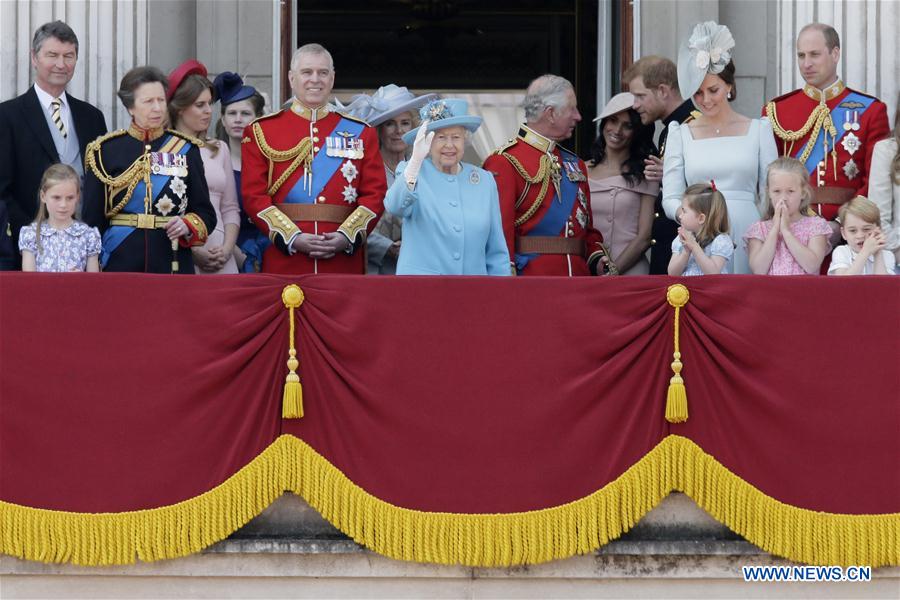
point(721, 144)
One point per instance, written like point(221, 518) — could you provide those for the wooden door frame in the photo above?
point(286, 38)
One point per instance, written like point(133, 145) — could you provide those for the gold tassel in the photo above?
point(292, 401)
point(676, 398)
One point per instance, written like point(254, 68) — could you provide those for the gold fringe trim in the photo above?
point(487, 540)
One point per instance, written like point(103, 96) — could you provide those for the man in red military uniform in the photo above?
point(826, 125)
point(312, 179)
point(545, 202)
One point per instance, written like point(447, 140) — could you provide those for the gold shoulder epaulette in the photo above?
point(194, 140)
point(268, 116)
point(350, 117)
point(509, 144)
point(95, 145)
point(788, 95)
point(695, 114)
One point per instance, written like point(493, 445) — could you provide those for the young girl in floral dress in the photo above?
point(56, 241)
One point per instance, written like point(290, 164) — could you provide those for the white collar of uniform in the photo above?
point(829, 93)
point(45, 99)
point(533, 138)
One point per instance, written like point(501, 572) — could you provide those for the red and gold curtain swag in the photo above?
point(477, 421)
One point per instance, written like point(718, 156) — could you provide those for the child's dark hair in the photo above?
point(55, 174)
point(707, 200)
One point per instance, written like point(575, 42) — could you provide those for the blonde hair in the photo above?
point(789, 164)
point(54, 175)
point(862, 208)
point(708, 201)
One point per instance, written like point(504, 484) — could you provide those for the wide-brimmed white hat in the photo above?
point(708, 50)
point(387, 102)
point(616, 104)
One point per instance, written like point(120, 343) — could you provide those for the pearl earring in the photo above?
point(729, 95)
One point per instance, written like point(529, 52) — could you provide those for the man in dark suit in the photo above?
point(653, 81)
point(43, 126)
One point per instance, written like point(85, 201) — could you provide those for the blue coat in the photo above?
point(451, 223)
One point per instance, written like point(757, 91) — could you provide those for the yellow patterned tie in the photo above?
point(56, 115)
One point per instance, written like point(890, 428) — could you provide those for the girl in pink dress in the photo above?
point(787, 241)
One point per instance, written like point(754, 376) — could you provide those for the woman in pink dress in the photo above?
point(622, 200)
point(190, 111)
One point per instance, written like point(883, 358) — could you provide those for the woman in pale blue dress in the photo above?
point(720, 145)
point(450, 209)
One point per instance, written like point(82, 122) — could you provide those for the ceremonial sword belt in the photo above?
point(545, 244)
point(327, 213)
point(141, 221)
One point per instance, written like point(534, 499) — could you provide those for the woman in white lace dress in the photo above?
point(720, 145)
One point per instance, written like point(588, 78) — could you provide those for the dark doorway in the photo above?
point(459, 44)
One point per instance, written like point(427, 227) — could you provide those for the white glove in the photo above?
point(421, 148)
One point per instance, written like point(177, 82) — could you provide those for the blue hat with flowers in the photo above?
point(444, 113)
point(230, 88)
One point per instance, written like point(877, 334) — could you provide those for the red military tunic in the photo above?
point(525, 170)
point(844, 171)
point(277, 153)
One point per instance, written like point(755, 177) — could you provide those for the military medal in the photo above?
point(850, 169)
point(180, 161)
point(851, 143)
point(164, 205)
point(581, 217)
point(349, 194)
point(178, 187)
point(573, 172)
point(349, 171)
point(346, 145)
point(582, 199)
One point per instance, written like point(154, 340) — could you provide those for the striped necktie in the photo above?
point(56, 115)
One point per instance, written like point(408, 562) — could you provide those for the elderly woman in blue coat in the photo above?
point(450, 209)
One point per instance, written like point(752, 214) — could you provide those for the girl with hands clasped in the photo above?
point(865, 252)
point(787, 242)
point(56, 241)
point(703, 246)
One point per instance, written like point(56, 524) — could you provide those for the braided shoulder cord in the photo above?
point(542, 176)
point(299, 155)
point(820, 117)
point(139, 170)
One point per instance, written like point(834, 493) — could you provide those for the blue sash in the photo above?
point(837, 117)
point(116, 234)
point(323, 168)
point(554, 220)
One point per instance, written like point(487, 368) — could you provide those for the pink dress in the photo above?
point(616, 208)
point(223, 197)
point(803, 229)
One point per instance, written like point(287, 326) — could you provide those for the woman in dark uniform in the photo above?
point(144, 187)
